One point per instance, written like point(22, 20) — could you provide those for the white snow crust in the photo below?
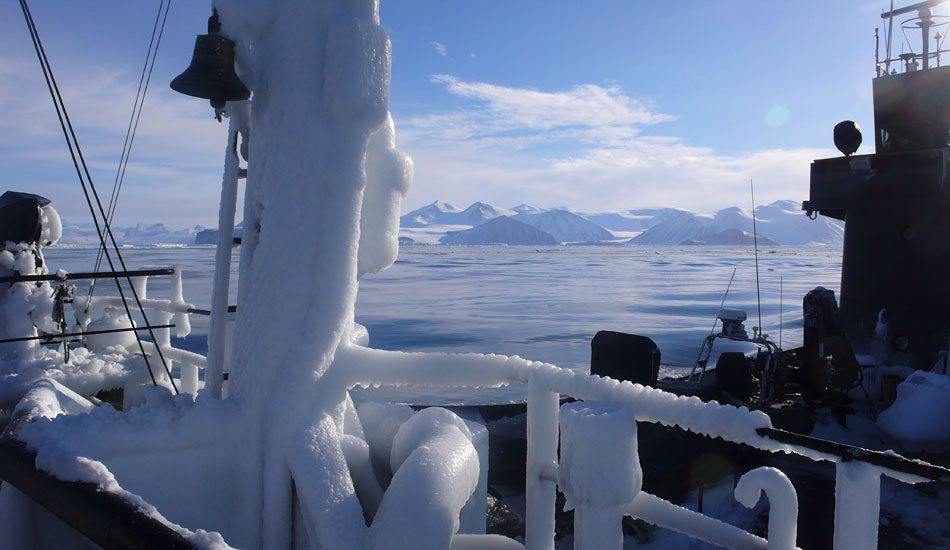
point(26, 311)
point(920, 416)
point(611, 434)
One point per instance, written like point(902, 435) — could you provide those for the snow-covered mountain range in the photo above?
point(443, 213)
point(779, 223)
point(782, 221)
point(141, 235)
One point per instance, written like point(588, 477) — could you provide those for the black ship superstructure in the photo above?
point(895, 273)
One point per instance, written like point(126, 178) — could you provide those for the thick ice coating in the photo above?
point(920, 416)
point(591, 430)
point(322, 169)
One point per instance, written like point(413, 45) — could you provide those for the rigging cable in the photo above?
point(74, 150)
point(137, 106)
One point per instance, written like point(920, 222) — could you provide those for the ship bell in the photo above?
point(211, 72)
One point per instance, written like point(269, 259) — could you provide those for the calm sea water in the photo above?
point(542, 304)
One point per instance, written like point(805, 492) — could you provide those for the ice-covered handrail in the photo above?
point(359, 366)
point(175, 304)
point(174, 309)
point(662, 513)
point(180, 355)
point(368, 367)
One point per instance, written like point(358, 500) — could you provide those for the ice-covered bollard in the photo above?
point(599, 472)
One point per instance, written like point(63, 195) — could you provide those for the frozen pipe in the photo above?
point(177, 354)
point(140, 284)
point(541, 467)
point(189, 379)
point(217, 333)
point(783, 503)
point(163, 339)
point(662, 513)
point(857, 505)
point(436, 470)
point(182, 321)
point(600, 471)
point(472, 518)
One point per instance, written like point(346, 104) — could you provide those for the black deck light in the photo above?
point(847, 137)
point(211, 73)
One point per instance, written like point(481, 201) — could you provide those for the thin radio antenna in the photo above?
point(713, 329)
point(781, 295)
point(755, 244)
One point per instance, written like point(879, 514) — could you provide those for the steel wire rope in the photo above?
point(71, 140)
point(137, 106)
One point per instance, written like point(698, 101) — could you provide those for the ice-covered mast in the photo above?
point(321, 154)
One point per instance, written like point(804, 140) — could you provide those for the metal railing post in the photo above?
point(857, 505)
point(541, 468)
point(600, 471)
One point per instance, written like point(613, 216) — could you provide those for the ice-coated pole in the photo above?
point(857, 505)
point(214, 376)
point(541, 467)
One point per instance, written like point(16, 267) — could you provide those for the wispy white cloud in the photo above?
point(588, 147)
point(175, 168)
point(440, 49)
point(502, 107)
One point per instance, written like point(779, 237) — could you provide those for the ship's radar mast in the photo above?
point(923, 32)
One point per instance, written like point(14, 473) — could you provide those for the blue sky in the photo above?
point(604, 105)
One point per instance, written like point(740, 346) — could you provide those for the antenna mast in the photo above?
point(755, 244)
point(781, 296)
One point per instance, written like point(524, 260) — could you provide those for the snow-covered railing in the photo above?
point(163, 312)
point(604, 428)
point(175, 305)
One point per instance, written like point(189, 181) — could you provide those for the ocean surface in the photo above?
point(543, 304)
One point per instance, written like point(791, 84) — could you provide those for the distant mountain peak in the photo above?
point(566, 226)
point(500, 230)
point(526, 209)
point(444, 206)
